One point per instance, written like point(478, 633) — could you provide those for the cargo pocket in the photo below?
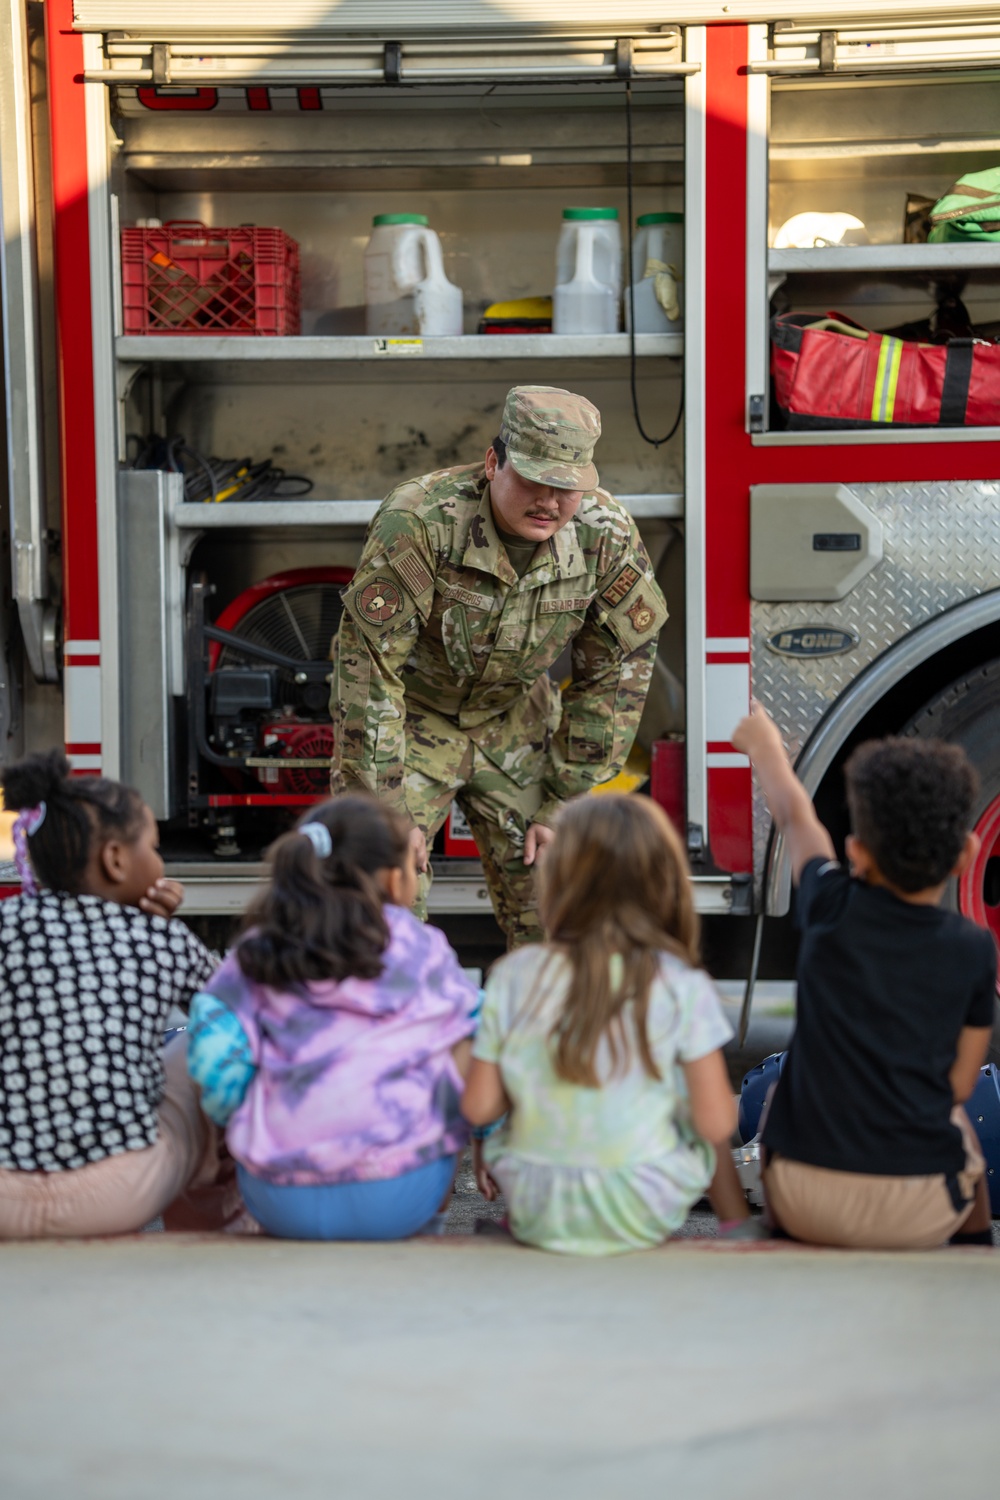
point(589, 742)
point(457, 641)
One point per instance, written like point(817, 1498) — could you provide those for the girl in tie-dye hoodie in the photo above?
point(333, 1041)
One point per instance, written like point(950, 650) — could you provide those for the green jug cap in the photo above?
point(645, 219)
point(590, 213)
point(381, 219)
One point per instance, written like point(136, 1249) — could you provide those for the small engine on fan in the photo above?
point(264, 666)
point(295, 742)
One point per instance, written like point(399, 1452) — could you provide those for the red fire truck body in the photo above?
point(847, 577)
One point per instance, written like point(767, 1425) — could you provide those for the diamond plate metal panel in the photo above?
point(941, 546)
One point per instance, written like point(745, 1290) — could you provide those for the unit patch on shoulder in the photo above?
point(642, 615)
point(413, 571)
point(379, 601)
point(622, 585)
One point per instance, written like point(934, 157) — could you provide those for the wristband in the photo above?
point(483, 1132)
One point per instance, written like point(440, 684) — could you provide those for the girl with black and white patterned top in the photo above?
point(100, 1128)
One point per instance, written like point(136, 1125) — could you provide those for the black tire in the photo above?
point(967, 713)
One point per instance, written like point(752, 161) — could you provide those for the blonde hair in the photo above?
point(614, 880)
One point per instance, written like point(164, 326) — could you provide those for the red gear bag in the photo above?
point(830, 372)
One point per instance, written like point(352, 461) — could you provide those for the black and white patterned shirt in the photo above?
point(85, 990)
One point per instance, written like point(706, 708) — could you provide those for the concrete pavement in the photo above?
point(159, 1367)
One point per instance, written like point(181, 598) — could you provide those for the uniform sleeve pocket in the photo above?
point(589, 741)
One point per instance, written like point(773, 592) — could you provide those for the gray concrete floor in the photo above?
point(159, 1367)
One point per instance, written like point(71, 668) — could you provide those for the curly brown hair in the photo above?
point(911, 804)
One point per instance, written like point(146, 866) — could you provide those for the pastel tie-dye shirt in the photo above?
point(345, 1081)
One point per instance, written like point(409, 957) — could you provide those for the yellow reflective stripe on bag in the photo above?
point(890, 355)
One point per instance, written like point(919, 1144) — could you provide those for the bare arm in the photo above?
point(484, 1099)
point(462, 1053)
point(713, 1107)
point(973, 1045)
point(789, 803)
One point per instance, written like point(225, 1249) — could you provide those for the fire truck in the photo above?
point(177, 638)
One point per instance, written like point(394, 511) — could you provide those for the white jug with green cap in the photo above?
point(657, 274)
point(406, 290)
point(587, 296)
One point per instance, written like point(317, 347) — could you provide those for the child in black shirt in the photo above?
point(866, 1141)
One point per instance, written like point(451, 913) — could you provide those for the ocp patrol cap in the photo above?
point(550, 436)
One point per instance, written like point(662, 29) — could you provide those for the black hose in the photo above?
point(654, 442)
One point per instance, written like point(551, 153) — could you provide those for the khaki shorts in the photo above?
point(858, 1211)
point(120, 1193)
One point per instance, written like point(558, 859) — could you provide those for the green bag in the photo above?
point(969, 212)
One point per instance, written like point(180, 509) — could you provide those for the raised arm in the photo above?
point(789, 803)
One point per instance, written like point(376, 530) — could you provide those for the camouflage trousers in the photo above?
point(499, 812)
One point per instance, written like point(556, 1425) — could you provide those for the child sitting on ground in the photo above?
point(866, 1141)
point(603, 1045)
point(334, 1038)
point(100, 1129)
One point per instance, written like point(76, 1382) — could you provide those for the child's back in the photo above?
point(885, 988)
point(597, 1170)
point(866, 1142)
point(603, 1044)
point(355, 1078)
point(332, 1041)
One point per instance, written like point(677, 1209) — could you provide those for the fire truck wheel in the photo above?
point(968, 713)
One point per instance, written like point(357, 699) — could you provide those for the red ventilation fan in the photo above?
point(273, 718)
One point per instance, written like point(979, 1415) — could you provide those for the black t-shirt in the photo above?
point(884, 988)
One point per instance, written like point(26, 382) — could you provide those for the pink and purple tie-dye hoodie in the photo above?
point(343, 1081)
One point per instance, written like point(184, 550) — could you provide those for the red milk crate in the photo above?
point(188, 279)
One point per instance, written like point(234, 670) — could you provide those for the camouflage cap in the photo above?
point(550, 436)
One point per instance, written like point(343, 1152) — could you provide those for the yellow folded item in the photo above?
point(521, 307)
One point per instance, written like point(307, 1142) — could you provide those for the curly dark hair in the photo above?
point(322, 918)
point(82, 812)
point(911, 804)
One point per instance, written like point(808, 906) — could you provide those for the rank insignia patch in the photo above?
point(379, 601)
point(623, 584)
point(642, 616)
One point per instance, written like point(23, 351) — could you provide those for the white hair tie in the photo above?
point(319, 836)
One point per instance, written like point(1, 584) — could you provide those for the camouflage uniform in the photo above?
point(440, 686)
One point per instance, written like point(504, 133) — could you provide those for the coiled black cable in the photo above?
point(216, 480)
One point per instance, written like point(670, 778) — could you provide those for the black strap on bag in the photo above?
point(955, 388)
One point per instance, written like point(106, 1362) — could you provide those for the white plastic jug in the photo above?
point(657, 274)
point(406, 290)
point(588, 288)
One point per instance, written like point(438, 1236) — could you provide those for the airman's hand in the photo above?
point(535, 842)
point(419, 846)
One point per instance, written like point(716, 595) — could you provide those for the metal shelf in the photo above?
point(236, 514)
point(210, 348)
point(225, 889)
point(827, 260)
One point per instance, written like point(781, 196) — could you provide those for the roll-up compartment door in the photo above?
point(796, 49)
point(359, 18)
point(217, 62)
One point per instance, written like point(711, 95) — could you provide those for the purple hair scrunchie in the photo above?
point(27, 822)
